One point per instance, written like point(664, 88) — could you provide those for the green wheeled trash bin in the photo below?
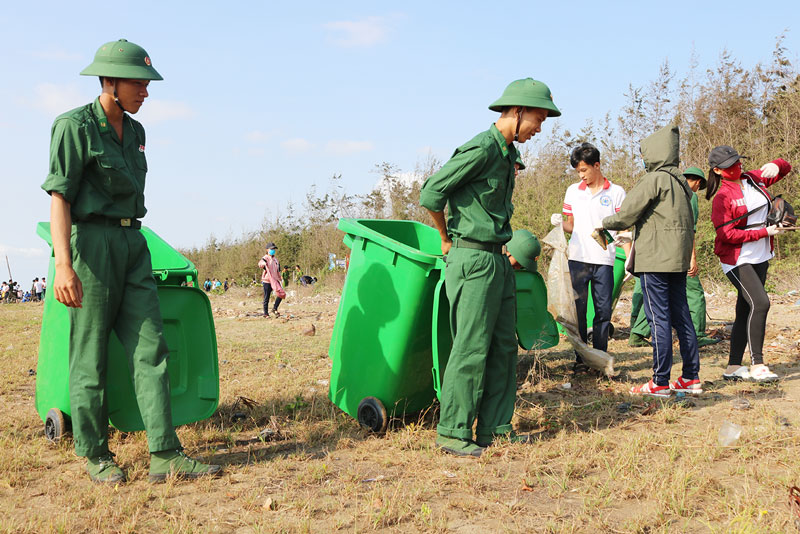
point(381, 344)
point(392, 339)
point(189, 333)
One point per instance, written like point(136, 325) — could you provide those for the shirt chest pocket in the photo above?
point(494, 197)
point(115, 176)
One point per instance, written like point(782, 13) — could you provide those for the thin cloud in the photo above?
point(365, 32)
point(164, 110)
point(29, 252)
point(54, 99)
point(344, 148)
point(296, 145)
point(258, 137)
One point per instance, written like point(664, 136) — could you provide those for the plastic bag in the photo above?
point(561, 303)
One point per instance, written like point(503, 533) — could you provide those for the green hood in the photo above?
point(661, 148)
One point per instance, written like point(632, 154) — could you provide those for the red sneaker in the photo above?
point(692, 387)
point(652, 390)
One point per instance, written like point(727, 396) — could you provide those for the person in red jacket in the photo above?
point(744, 244)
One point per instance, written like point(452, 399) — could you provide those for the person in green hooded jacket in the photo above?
point(695, 294)
point(659, 209)
point(476, 185)
point(103, 272)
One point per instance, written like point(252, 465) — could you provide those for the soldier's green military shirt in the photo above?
point(476, 184)
point(95, 172)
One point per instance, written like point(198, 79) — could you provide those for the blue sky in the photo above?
point(262, 100)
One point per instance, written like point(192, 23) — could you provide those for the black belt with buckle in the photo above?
point(107, 221)
point(495, 248)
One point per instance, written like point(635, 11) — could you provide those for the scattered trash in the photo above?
point(270, 504)
point(448, 474)
point(566, 386)
point(793, 292)
point(729, 434)
point(782, 421)
point(624, 407)
point(374, 479)
point(680, 395)
point(31, 372)
point(740, 404)
point(238, 416)
point(311, 331)
point(268, 434)
point(323, 382)
point(797, 303)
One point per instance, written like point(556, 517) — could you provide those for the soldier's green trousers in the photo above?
point(119, 294)
point(695, 295)
point(480, 378)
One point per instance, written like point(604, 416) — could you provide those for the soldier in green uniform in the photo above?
point(103, 271)
point(476, 185)
point(695, 294)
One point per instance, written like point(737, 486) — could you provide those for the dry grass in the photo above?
point(654, 468)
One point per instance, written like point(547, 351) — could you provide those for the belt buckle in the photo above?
point(124, 222)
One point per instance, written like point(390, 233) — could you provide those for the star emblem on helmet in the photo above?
point(147, 60)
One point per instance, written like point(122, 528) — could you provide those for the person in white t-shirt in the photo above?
point(586, 203)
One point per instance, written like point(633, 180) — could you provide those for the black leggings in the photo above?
point(267, 292)
point(752, 306)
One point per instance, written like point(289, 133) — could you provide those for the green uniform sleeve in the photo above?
point(695, 209)
point(67, 149)
point(464, 166)
point(634, 205)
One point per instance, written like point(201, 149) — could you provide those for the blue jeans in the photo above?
point(602, 279)
point(666, 307)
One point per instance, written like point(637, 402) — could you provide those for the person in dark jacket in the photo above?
point(659, 208)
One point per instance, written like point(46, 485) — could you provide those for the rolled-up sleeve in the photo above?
point(67, 149)
point(463, 167)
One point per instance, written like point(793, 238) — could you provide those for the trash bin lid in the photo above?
point(162, 255)
point(411, 239)
point(536, 328)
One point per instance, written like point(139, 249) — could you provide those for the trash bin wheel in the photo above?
point(55, 425)
point(372, 415)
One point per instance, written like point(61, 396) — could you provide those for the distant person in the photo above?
point(225, 285)
point(44, 287)
point(271, 279)
point(659, 207)
point(586, 203)
point(476, 186)
point(103, 270)
point(39, 289)
point(298, 273)
point(286, 274)
point(744, 244)
point(695, 294)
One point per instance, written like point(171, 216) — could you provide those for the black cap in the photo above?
point(271, 245)
point(723, 157)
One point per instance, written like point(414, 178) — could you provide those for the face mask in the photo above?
point(271, 252)
point(733, 172)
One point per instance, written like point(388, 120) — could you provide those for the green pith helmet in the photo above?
point(696, 173)
point(121, 59)
point(528, 93)
point(525, 248)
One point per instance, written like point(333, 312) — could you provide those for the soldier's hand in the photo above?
point(67, 287)
point(693, 268)
point(446, 244)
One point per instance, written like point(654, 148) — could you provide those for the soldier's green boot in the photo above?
point(103, 469)
point(177, 464)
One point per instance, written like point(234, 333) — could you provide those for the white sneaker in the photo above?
point(742, 373)
point(761, 373)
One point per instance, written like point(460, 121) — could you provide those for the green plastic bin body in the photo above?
point(381, 342)
point(188, 330)
point(392, 339)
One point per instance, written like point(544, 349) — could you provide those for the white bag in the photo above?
point(561, 303)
